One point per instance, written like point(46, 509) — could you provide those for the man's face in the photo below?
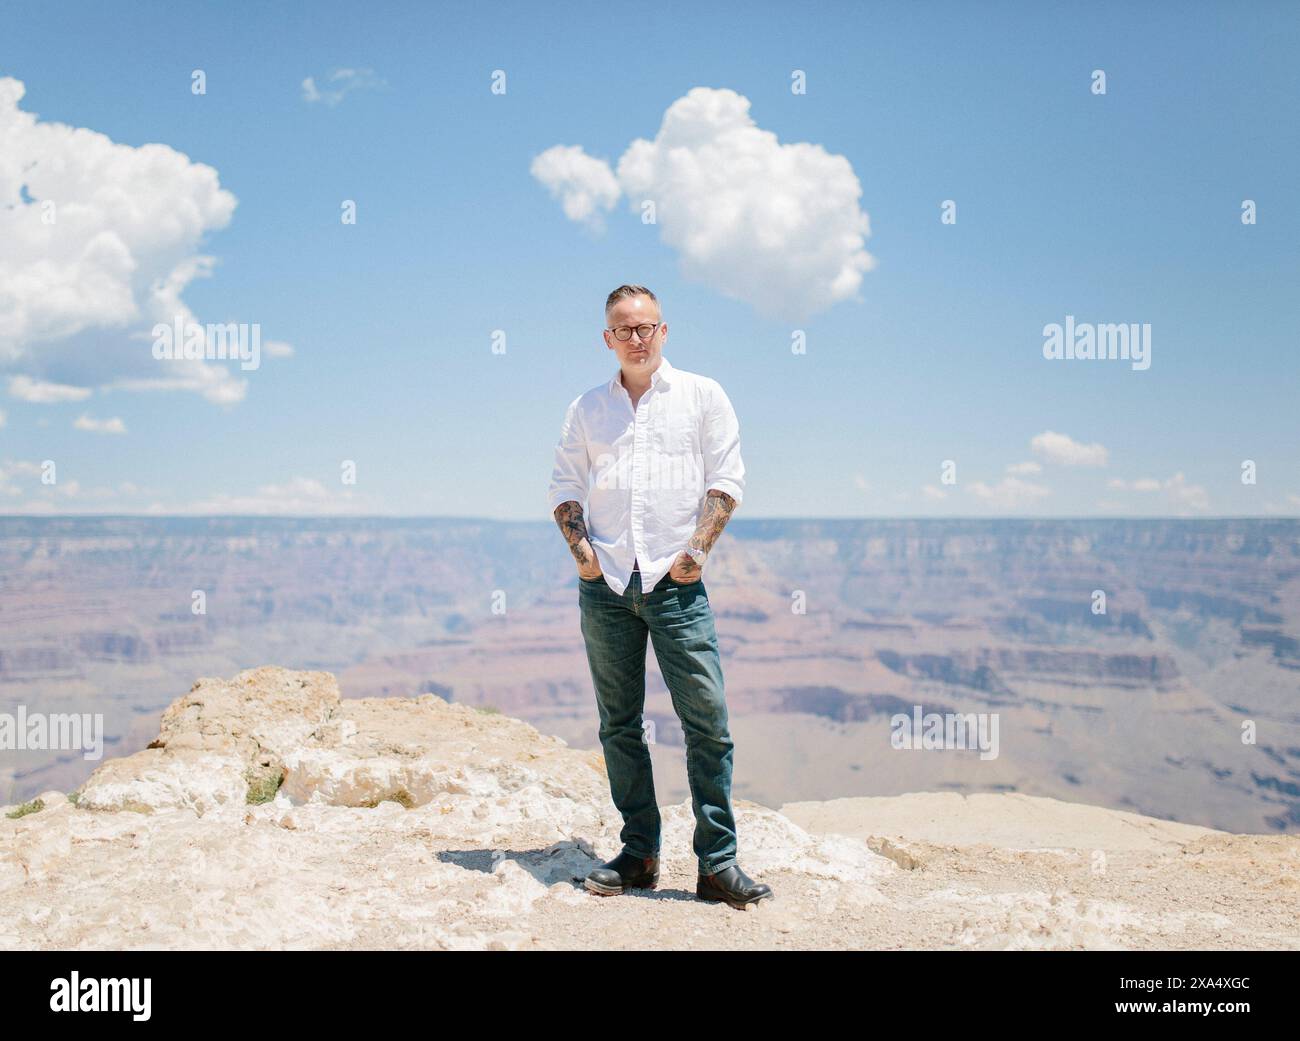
point(635, 353)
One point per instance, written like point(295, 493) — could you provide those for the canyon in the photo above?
point(1179, 703)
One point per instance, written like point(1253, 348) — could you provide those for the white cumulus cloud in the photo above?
point(776, 225)
point(1065, 451)
point(98, 242)
point(585, 186)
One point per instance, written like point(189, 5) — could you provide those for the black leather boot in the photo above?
point(623, 872)
point(733, 886)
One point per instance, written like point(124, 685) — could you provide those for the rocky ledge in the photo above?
point(271, 813)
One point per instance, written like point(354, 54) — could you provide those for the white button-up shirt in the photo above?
point(642, 473)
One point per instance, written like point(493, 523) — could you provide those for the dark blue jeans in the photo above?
point(679, 620)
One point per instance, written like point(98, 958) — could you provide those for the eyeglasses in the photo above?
point(624, 333)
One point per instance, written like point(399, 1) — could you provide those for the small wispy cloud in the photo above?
point(339, 84)
point(38, 392)
point(1009, 493)
point(1182, 495)
point(100, 426)
point(302, 496)
point(36, 496)
point(1140, 484)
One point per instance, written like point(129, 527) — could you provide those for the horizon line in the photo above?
point(550, 521)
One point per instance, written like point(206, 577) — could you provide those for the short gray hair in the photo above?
point(625, 291)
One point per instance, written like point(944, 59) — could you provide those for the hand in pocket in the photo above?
point(589, 565)
point(684, 570)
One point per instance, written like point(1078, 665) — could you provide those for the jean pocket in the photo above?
point(598, 579)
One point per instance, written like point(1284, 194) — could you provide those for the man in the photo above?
point(655, 455)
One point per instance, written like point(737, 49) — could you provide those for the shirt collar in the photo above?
point(664, 373)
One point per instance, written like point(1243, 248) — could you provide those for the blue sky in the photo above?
point(1121, 207)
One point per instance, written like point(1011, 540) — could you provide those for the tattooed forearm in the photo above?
point(717, 509)
point(568, 515)
point(715, 513)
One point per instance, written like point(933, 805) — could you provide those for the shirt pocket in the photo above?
point(679, 461)
point(681, 435)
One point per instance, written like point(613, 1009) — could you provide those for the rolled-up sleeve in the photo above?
point(569, 475)
point(723, 467)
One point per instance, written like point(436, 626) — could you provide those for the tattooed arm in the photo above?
point(718, 508)
point(724, 478)
point(568, 515)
